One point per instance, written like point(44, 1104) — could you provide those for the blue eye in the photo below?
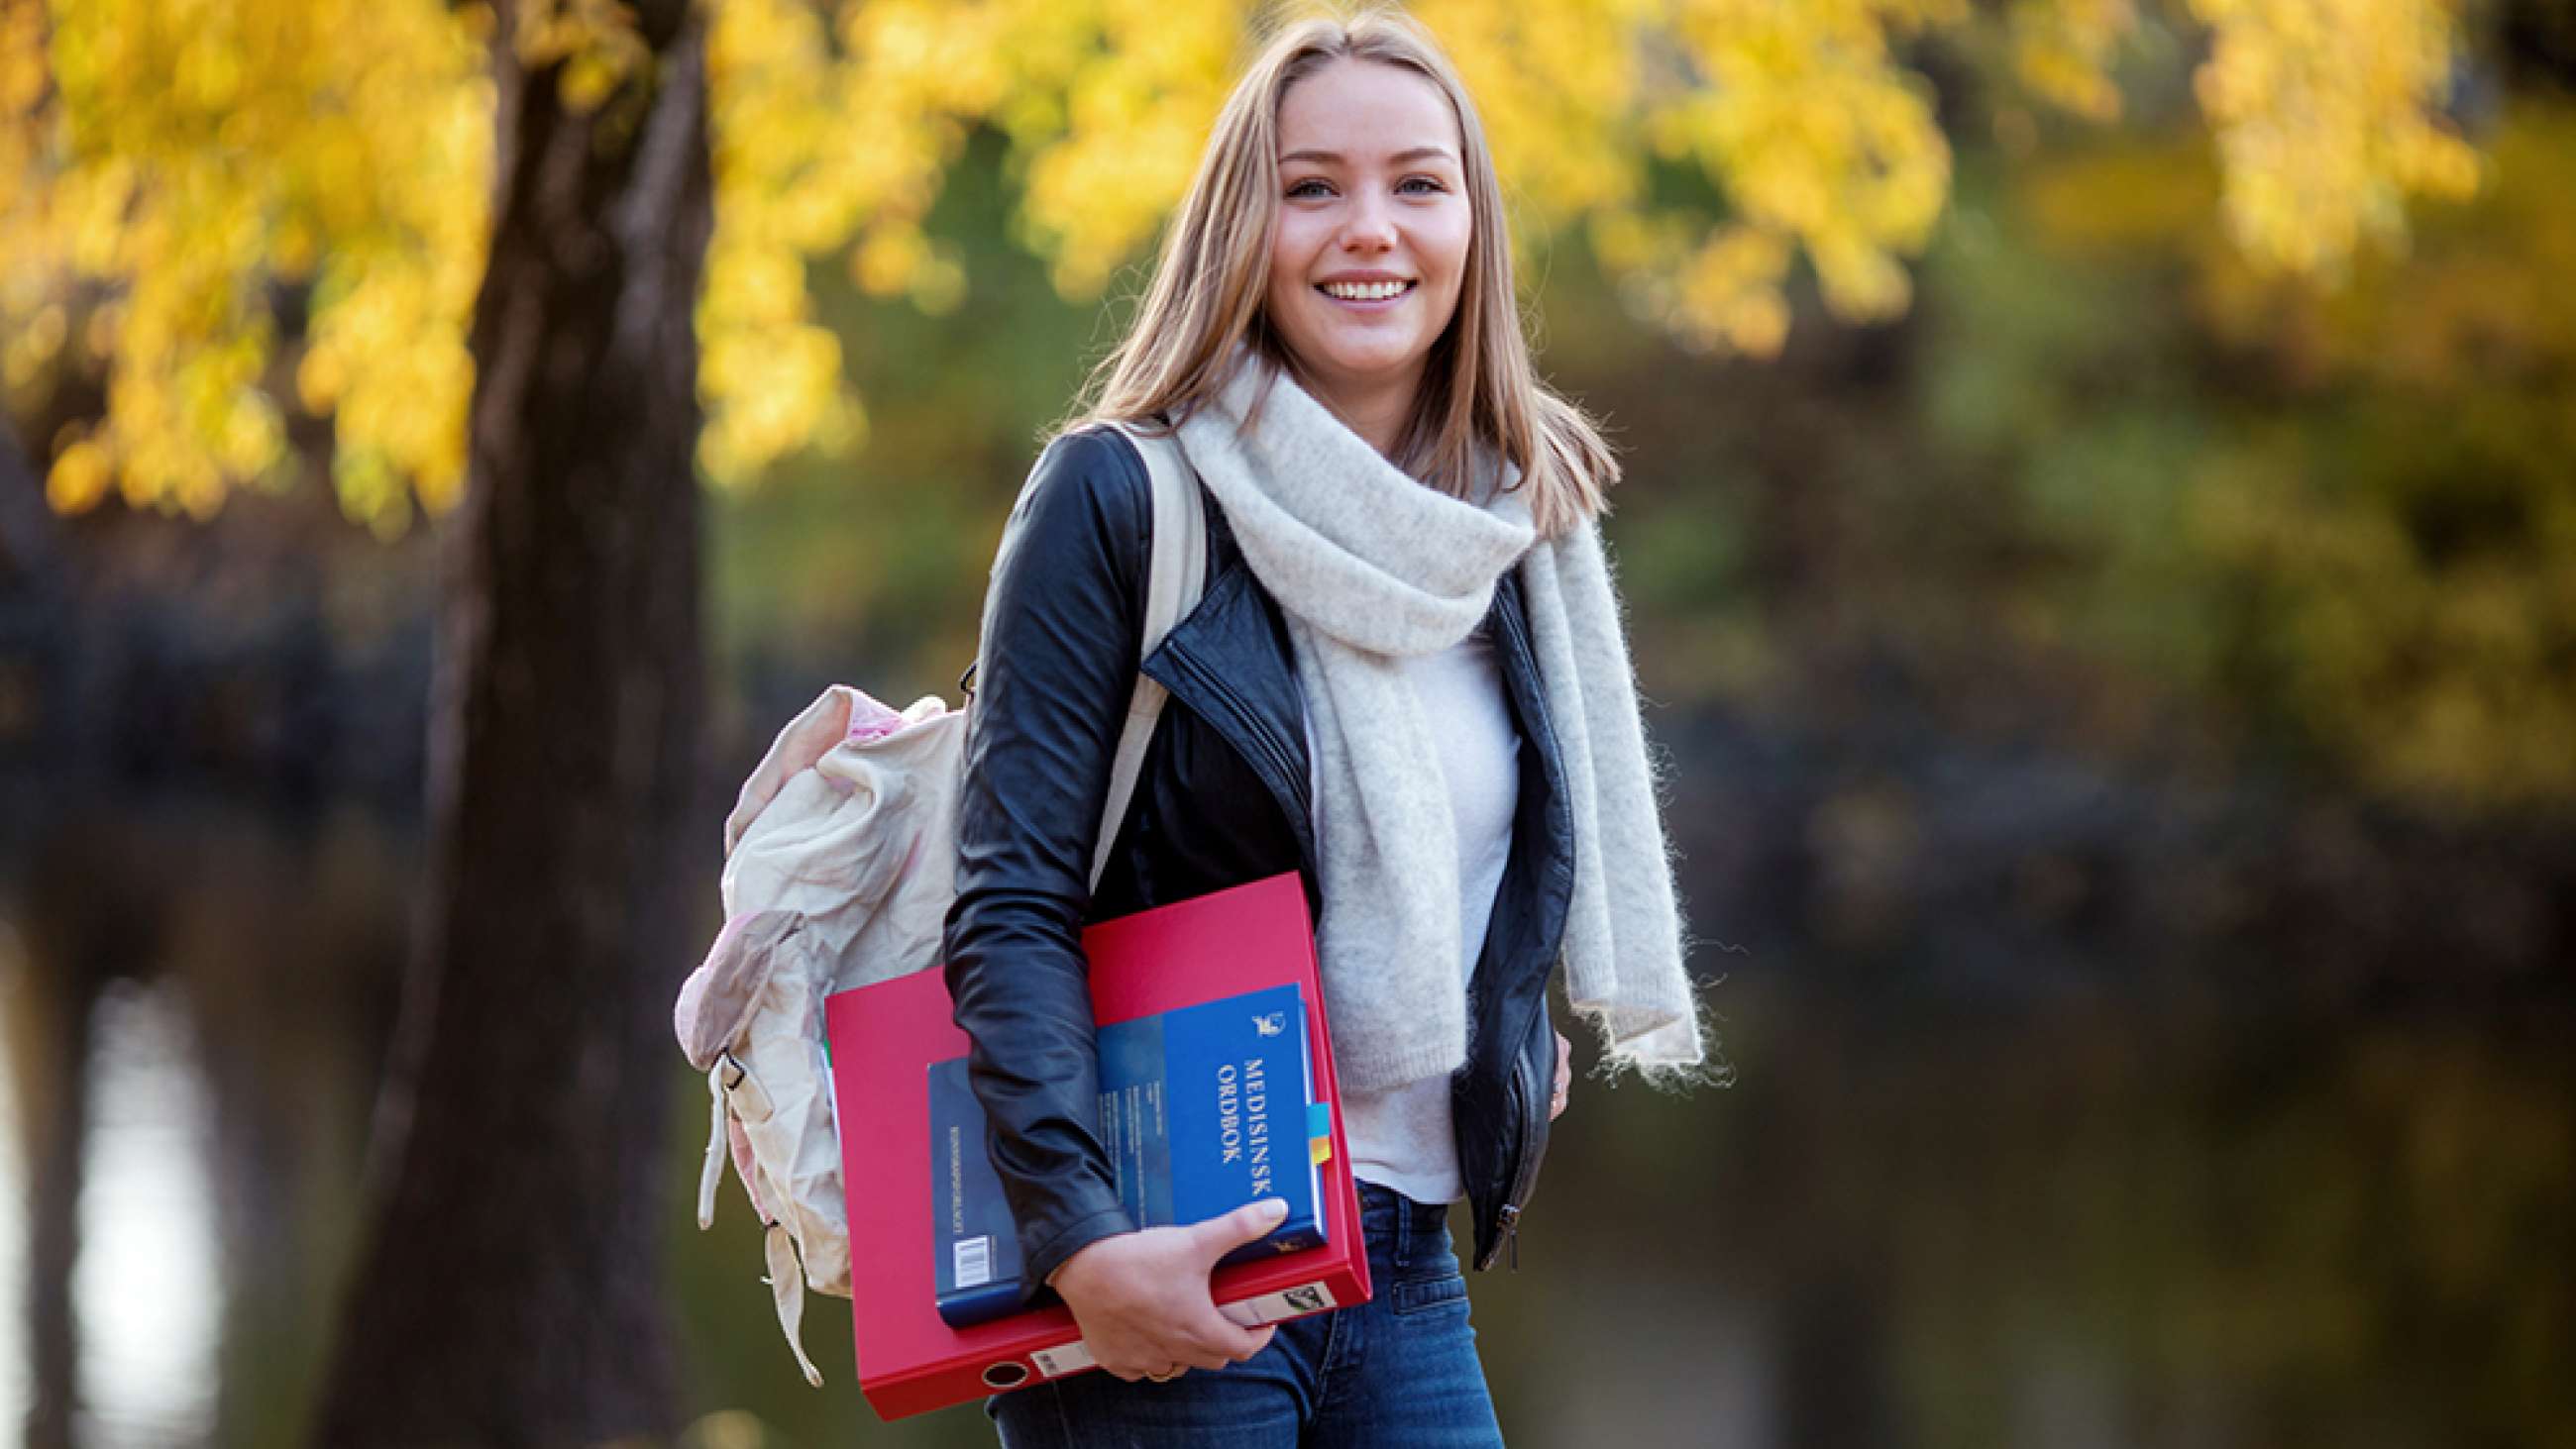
point(1299, 189)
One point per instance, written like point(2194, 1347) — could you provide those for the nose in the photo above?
point(1371, 227)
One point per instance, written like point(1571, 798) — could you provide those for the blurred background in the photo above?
point(2099, 530)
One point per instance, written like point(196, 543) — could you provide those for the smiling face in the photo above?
point(1370, 250)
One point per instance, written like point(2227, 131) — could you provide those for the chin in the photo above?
point(1368, 364)
point(1364, 369)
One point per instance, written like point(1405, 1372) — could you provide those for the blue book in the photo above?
point(1202, 1109)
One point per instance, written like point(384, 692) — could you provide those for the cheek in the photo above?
point(1292, 250)
point(1449, 243)
point(1444, 263)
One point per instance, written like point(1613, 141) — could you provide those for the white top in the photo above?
point(1402, 1137)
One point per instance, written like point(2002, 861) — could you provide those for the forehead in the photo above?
point(1363, 111)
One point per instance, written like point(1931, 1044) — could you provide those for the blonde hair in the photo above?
point(1479, 390)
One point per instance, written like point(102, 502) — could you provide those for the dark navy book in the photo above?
point(1202, 1109)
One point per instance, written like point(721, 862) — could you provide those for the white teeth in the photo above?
point(1364, 291)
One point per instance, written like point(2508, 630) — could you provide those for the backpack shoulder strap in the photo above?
point(1172, 590)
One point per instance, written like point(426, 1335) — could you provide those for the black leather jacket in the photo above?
point(1222, 800)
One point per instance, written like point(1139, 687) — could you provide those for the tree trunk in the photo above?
point(509, 1291)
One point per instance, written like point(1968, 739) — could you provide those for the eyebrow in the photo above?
point(1335, 158)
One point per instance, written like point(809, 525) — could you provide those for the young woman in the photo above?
point(1405, 679)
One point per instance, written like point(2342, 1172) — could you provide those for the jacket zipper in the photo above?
point(1508, 1216)
point(1525, 1166)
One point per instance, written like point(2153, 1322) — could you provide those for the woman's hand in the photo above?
point(1143, 1301)
point(1564, 1076)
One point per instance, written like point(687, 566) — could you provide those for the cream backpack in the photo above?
point(840, 859)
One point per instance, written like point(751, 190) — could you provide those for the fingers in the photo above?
point(1564, 1076)
point(1225, 1232)
point(1218, 1236)
point(1202, 1356)
point(1211, 1335)
point(1239, 1343)
point(1215, 1345)
point(1143, 1298)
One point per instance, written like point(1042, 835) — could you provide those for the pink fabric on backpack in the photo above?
point(746, 1170)
point(871, 720)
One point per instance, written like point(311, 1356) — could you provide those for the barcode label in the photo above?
point(1055, 1363)
point(974, 1262)
point(1294, 1302)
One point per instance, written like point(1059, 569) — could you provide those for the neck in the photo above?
point(1377, 412)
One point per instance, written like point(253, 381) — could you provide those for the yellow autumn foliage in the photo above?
point(167, 167)
point(2391, 543)
point(170, 163)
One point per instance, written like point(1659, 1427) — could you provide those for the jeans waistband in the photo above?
point(1401, 1232)
point(1409, 1218)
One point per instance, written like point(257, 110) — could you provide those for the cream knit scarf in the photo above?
point(1370, 566)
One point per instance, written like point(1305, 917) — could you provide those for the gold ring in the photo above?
point(1165, 1378)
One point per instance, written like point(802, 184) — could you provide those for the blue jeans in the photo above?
point(1399, 1370)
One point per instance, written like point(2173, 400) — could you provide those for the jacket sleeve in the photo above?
point(1064, 618)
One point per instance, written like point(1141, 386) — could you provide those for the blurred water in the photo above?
point(1960, 1195)
point(146, 1288)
